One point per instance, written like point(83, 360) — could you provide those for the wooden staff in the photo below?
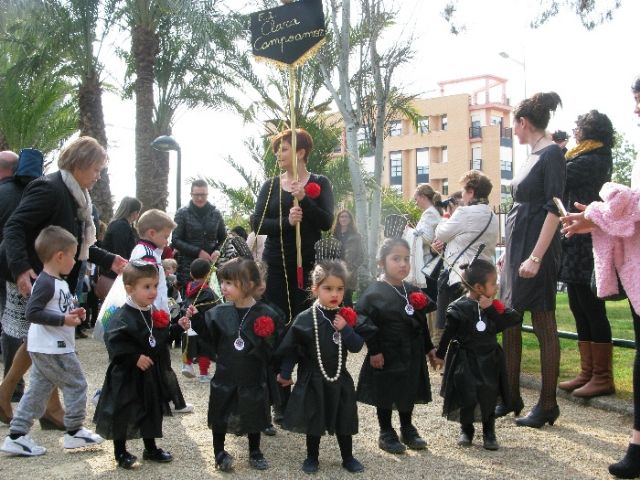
point(294, 147)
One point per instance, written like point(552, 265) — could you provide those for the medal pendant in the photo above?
point(152, 341)
point(336, 337)
point(409, 309)
point(238, 344)
point(481, 326)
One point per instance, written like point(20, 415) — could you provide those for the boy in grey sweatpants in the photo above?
point(51, 345)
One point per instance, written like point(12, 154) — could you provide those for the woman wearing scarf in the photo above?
point(62, 199)
point(589, 166)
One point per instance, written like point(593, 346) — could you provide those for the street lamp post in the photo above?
point(522, 63)
point(166, 143)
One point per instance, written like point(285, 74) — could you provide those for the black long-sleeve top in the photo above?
point(272, 217)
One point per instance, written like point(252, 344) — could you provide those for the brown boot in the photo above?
point(601, 382)
point(586, 366)
point(20, 365)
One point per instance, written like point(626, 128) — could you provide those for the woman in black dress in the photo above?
point(532, 257)
point(121, 237)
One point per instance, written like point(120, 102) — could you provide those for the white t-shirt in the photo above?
point(47, 306)
point(147, 251)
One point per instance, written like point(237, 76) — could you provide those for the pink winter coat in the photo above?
point(616, 243)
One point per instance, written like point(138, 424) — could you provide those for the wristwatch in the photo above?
point(535, 259)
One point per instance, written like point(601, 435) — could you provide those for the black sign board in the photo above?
point(289, 34)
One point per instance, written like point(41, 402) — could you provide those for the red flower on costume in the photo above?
point(264, 326)
point(160, 319)
point(312, 190)
point(349, 314)
point(419, 300)
point(499, 306)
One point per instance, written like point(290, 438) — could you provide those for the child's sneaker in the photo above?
point(22, 446)
point(204, 378)
point(224, 461)
point(187, 370)
point(188, 408)
point(82, 438)
point(257, 461)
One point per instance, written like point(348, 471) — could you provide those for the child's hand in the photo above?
point(80, 312)
point(339, 323)
point(185, 323)
point(377, 361)
point(191, 311)
point(284, 382)
point(72, 319)
point(144, 363)
point(485, 302)
point(435, 362)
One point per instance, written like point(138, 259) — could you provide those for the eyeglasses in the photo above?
point(200, 195)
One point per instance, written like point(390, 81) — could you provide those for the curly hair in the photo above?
point(479, 182)
point(596, 126)
point(538, 108)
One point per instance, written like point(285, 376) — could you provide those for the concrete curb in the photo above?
point(610, 403)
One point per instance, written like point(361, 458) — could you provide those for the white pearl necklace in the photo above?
point(318, 353)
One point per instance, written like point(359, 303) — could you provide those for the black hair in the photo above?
point(635, 86)
point(240, 231)
point(199, 183)
point(387, 246)
point(596, 126)
point(328, 268)
point(199, 268)
point(243, 272)
point(477, 272)
point(538, 108)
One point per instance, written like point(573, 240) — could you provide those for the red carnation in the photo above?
point(160, 319)
point(499, 306)
point(418, 299)
point(312, 190)
point(349, 314)
point(264, 326)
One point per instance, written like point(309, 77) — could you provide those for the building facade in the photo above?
point(455, 133)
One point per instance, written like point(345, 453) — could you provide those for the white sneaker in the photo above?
point(187, 370)
point(96, 397)
point(188, 408)
point(82, 438)
point(204, 378)
point(22, 446)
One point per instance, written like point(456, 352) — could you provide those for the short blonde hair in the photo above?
point(169, 263)
point(154, 219)
point(53, 239)
point(81, 154)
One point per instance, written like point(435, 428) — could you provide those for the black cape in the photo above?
point(239, 399)
point(132, 401)
point(404, 340)
point(474, 373)
point(317, 406)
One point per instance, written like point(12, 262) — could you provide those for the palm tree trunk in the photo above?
point(92, 125)
point(151, 177)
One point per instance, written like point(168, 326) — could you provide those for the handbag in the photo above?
point(103, 286)
point(431, 273)
point(443, 279)
point(621, 295)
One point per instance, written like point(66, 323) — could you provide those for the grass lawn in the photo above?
point(622, 327)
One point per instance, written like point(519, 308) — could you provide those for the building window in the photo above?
point(395, 168)
point(423, 125)
point(422, 165)
point(445, 121)
point(476, 158)
point(505, 165)
point(445, 186)
point(397, 188)
point(496, 120)
point(395, 128)
point(444, 154)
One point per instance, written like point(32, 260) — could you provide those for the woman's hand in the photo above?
point(295, 216)
point(528, 268)
point(23, 282)
point(204, 255)
point(191, 311)
point(185, 323)
point(339, 323)
point(118, 265)
point(377, 361)
point(577, 223)
point(297, 190)
point(438, 246)
point(215, 256)
point(435, 362)
point(500, 262)
point(283, 382)
point(144, 363)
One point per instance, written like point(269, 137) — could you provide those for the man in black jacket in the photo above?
point(8, 163)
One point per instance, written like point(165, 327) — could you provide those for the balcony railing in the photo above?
point(475, 132)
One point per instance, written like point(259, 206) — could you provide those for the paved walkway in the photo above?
point(581, 445)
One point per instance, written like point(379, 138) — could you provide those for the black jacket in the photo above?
point(197, 229)
point(120, 239)
point(11, 191)
point(46, 201)
point(586, 174)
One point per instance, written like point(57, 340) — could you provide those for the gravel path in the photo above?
point(581, 444)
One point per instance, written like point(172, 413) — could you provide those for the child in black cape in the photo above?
point(134, 395)
point(242, 334)
point(394, 374)
point(474, 370)
point(323, 399)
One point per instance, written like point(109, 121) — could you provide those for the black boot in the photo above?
point(389, 442)
point(537, 417)
point(466, 435)
point(504, 409)
point(411, 438)
point(629, 466)
point(489, 441)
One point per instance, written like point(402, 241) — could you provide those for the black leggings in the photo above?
point(636, 371)
point(590, 314)
point(219, 438)
point(345, 442)
point(120, 446)
point(384, 418)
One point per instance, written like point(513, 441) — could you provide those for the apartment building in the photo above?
point(456, 132)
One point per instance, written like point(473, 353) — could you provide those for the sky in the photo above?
point(588, 69)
